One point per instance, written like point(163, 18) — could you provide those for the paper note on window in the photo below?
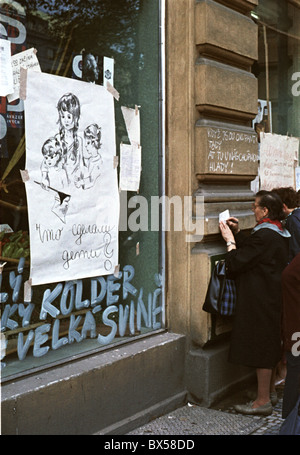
point(278, 156)
point(108, 71)
point(132, 122)
point(130, 167)
point(6, 76)
point(26, 59)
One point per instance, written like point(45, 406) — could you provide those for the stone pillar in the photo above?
point(226, 150)
point(180, 180)
point(211, 153)
point(211, 147)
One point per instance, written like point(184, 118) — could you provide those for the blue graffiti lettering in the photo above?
point(102, 308)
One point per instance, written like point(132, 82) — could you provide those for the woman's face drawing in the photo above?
point(67, 119)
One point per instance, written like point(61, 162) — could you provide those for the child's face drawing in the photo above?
point(67, 119)
point(90, 147)
point(51, 159)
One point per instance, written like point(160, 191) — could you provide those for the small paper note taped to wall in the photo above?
point(130, 167)
point(26, 59)
point(6, 76)
point(132, 122)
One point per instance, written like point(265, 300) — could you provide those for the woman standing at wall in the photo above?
point(256, 263)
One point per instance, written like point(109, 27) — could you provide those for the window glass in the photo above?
point(72, 38)
point(277, 68)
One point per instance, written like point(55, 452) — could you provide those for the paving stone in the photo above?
point(223, 420)
point(196, 420)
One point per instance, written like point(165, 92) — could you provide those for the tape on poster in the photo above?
point(23, 83)
point(24, 175)
point(113, 91)
point(117, 270)
point(116, 161)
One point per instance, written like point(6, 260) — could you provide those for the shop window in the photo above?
point(277, 72)
point(130, 298)
point(277, 68)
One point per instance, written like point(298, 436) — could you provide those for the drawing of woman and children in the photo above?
point(69, 159)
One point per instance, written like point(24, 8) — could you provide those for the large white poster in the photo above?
point(71, 179)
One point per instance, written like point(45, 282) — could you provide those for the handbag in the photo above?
point(221, 293)
point(291, 425)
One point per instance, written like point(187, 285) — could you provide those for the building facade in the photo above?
point(124, 347)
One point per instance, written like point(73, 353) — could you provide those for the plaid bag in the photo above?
point(221, 293)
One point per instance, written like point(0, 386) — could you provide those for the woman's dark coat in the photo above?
point(257, 264)
point(292, 224)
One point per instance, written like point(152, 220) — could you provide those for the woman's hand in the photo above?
point(233, 223)
point(226, 232)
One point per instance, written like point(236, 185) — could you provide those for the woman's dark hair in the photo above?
point(288, 196)
point(273, 203)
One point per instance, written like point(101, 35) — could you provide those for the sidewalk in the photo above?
point(220, 420)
